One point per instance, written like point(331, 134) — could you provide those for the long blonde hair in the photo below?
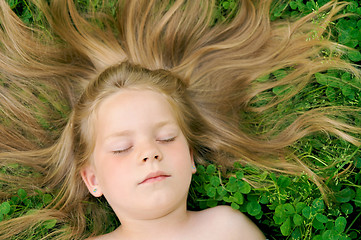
point(207, 70)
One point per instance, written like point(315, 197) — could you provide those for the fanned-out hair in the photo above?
point(49, 75)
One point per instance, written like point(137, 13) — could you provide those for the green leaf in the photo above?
point(48, 224)
point(357, 199)
point(225, 5)
point(352, 7)
point(283, 181)
point(311, 5)
point(211, 169)
point(211, 203)
point(239, 198)
point(232, 184)
point(286, 227)
point(329, 235)
point(353, 235)
point(232, 4)
point(321, 218)
point(347, 208)
point(279, 215)
point(264, 199)
point(215, 181)
point(293, 5)
point(317, 224)
point(288, 209)
point(348, 91)
point(12, 3)
point(200, 169)
point(300, 206)
point(327, 80)
point(321, 78)
point(244, 187)
point(259, 216)
point(330, 225)
point(240, 175)
point(47, 198)
point(331, 94)
point(354, 55)
point(28, 203)
point(32, 212)
point(279, 74)
point(340, 224)
point(318, 204)
point(343, 237)
point(357, 162)
point(343, 37)
point(306, 212)
point(211, 192)
point(297, 219)
point(264, 78)
point(22, 194)
point(281, 90)
point(15, 200)
point(237, 165)
point(5, 208)
point(235, 206)
point(346, 77)
point(228, 199)
point(253, 208)
point(352, 43)
point(345, 195)
point(221, 191)
point(296, 234)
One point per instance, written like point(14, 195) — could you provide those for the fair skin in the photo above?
point(143, 166)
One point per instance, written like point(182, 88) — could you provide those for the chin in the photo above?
point(162, 206)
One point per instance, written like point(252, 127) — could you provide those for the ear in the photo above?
point(89, 177)
point(194, 168)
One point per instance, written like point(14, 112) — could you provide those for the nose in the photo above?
point(151, 152)
point(151, 157)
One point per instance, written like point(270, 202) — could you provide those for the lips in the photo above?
point(155, 177)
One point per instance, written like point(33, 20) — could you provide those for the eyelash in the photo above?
point(167, 140)
point(121, 151)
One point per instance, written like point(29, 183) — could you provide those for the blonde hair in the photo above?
point(208, 72)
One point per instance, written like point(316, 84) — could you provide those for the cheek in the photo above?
point(112, 173)
point(182, 156)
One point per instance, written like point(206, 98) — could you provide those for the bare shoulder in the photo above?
point(95, 238)
point(231, 223)
point(102, 237)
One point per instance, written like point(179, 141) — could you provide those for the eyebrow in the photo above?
point(164, 123)
point(118, 134)
point(128, 132)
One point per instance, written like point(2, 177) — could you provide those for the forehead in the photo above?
point(128, 107)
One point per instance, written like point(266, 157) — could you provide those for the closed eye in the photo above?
point(167, 140)
point(121, 151)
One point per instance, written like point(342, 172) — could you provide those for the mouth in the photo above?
point(155, 177)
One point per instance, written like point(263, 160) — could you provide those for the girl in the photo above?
point(140, 131)
point(152, 91)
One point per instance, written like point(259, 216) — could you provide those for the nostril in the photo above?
point(157, 157)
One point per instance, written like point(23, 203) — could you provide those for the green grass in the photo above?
point(285, 207)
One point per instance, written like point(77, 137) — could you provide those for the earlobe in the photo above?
point(89, 177)
point(194, 168)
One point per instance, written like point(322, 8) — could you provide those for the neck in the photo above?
point(165, 226)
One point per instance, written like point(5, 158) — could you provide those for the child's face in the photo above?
point(142, 162)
